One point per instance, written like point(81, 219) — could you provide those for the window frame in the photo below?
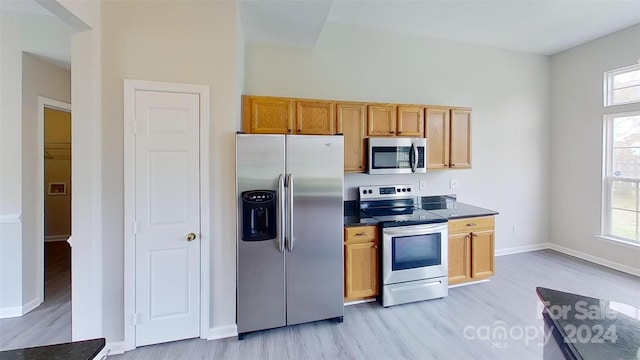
point(608, 85)
point(607, 182)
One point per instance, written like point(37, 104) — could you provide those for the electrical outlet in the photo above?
point(423, 184)
point(453, 184)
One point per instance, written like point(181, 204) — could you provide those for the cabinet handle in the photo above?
point(472, 224)
point(289, 130)
point(399, 132)
point(452, 165)
point(299, 130)
point(362, 234)
point(375, 246)
point(467, 237)
point(473, 235)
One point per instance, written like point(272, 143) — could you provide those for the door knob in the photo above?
point(191, 237)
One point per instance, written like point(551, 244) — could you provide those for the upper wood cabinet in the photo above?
point(460, 149)
point(315, 118)
point(351, 122)
point(267, 115)
point(392, 120)
point(447, 129)
point(448, 133)
point(437, 138)
point(410, 121)
point(381, 120)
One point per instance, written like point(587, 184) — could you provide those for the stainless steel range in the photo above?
point(414, 244)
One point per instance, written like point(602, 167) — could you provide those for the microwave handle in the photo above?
point(414, 152)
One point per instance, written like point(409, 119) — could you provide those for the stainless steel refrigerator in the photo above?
point(290, 238)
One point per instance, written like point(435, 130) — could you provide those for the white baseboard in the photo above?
point(355, 302)
point(521, 249)
point(112, 348)
point(31, 305)
point(469, 283)
point(594, 259)
point(17, 311)
point(221, 332)
point(10, 218)
point(57, 238)
point(10, 312)
point(120, 347)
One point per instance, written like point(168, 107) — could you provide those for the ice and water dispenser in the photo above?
point(259, 215)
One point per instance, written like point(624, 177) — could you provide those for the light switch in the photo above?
point(453, 184)
point(423, 184)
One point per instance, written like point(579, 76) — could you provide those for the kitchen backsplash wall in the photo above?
point(436, 182)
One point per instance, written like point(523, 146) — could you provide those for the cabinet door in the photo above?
point(361, 270)
point(459, 258)
point(269, 115)
point(315, 117)
point(381, 120)
point(482, 250)
point(437, 138)
point(351, 122)
point(410, 121)
point(460, 145)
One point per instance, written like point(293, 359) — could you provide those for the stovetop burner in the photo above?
point(394, 205)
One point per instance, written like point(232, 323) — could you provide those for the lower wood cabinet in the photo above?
point(361, 264)
point(471, 249)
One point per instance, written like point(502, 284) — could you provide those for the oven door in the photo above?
point(414, 252)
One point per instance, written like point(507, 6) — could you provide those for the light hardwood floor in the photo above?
point(49, 323)
point(448, 328)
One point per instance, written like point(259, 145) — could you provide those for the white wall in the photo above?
point(39, 78)
point(182, 42)
point(507, 90)
point(35, 34)
point(576, 143)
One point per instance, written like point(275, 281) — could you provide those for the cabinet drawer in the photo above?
point(359, 233)
point(471, 224)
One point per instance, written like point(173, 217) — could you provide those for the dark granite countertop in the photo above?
point(591, 328)
point(77, 350)
point(444, 206)
point(354, 217)
point(448, 207)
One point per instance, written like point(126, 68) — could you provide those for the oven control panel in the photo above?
point(372, 192)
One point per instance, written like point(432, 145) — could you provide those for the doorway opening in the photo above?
point(55, 118)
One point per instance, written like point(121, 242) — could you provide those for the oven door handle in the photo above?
point(415, 229)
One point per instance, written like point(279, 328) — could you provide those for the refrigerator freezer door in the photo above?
point(260, 160)
point(315, 264)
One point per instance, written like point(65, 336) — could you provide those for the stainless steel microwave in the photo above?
point(396, 155)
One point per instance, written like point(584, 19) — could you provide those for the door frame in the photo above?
point(44, 102)
point(130, 87)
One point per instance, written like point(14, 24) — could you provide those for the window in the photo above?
point(622, 86)
point(621, 212)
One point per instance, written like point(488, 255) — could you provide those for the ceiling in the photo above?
point(542, 27)
point(23, 6)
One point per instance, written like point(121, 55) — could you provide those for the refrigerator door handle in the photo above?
point(281, 214)
point(290, 211)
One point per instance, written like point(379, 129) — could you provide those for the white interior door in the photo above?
point(167, 210)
